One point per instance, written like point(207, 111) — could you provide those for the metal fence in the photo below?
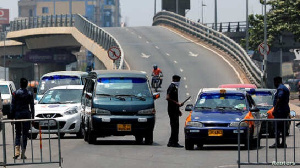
point(42, 151)
point(215, 38)
point(86, 27)
point(228, 26)
point(262, 155)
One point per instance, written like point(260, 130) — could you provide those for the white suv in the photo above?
point(6, 90)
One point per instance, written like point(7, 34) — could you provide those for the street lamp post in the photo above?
point(247, 27)
point(177, 7)
point(264, 75)
point(202, 10)
point(4, 61)
point(216, 16)
point(154, 7)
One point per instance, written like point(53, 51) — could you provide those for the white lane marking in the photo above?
point(140, 37)
point(181, 70)
point(175, 62)
point(147, 42)
point(236, 72)
point(145, 56)
point(184, 78)
point(167, 54)
point(156, 47)
point(187, 94)
point(192, 54)
point(186, 86)
point(227, 166)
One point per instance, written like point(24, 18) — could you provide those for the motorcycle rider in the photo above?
point(157, 73)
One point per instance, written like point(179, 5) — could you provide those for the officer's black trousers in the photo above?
point(174, 123)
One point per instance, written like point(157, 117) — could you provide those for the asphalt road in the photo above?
point(198, 67)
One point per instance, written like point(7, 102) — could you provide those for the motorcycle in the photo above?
point(155, 82)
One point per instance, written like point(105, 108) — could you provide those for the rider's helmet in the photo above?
point(154, 66)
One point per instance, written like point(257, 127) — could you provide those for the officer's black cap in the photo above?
point(176, 77)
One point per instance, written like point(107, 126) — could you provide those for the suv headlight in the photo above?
point(236, 124)
point(100, 111)
point(71, 111)
point(6, 101)
point(147, 111)
point(194, 124)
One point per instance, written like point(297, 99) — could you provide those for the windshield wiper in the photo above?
point(138, 97)
point(115, 96)
point(204, 107)
point(53, 103)
point(224, 107)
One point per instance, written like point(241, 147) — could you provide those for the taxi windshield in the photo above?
point(123, 86)
point(235, 102)
point(49, 82)
point(263, 98)
point(62, 96)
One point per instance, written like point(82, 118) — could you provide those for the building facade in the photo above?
point(104, 13)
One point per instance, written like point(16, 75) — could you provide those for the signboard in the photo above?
point(114, 53)
point(261, 49)
point(4, 16)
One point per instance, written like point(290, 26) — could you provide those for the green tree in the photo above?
point(283, 16)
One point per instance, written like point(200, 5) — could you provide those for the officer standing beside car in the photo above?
point(281, 111)
point(174, 111)
point(22, 107)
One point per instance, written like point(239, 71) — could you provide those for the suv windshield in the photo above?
point(4, 89)
point(61, 96)
point(49, 82)
point(221, 101)
point(134, 87)
point(263, 99)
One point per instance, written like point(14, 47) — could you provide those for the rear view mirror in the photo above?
point(254, 110)
point(189, 107)
point(293, 114)
point(156, 96)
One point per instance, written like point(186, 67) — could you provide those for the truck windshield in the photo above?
point(263, 98)
point(49, 82)
point(221, 101)
point(4, 89)
point(123, 86)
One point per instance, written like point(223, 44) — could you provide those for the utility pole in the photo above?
point(202, 10)
point(4, 62)
point(247, 27)
point(216, 15)
point(154, 7)
point(177, 6)
point(264, 75)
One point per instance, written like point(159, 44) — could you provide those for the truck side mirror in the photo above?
point(189, 107)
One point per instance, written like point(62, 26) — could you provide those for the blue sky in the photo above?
point(140, 12)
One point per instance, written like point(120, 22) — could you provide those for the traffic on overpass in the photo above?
point(93, 65)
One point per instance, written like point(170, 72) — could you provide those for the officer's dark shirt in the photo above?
point(283, 108)
point(173, 94)
point(21, 100)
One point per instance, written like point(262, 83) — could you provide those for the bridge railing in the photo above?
point(86, 27)
point(213, 37)
point(228, 26)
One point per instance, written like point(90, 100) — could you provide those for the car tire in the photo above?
point(85, 135)
point(138, 139)
point(33, 136)
point(149, 138)
point(199, 145)
point(189, 145)
point(91, 138)
point(62, 135)
point(80, 133)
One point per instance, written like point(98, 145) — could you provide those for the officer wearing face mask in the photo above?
point(173, 111)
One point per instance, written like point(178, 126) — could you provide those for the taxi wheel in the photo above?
point(200, 146)
point(138, 139)
point(149, 138)
point(33, 136)
point(189, 145)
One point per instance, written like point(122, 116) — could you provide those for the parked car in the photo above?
point(118, 102)
point(59, 78)
point(215, 117)
point(6, 90)
point(238, 86)
point(62, 103)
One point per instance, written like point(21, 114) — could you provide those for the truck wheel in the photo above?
point(189, 145)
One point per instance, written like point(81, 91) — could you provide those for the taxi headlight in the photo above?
point(194, 124)
point(147, 111)
point(6, 101)
point(100, 111)
point(71, 111)
point(236, 124)
point(263, 115)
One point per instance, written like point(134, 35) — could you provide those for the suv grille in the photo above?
point(49, 115)
point(215, 125)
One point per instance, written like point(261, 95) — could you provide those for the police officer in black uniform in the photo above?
point(173, 111)
point(22, 107)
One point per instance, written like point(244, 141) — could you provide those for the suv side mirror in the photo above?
point(293, 114)
point(156, 96)
point(189, 107)
point(254, 109)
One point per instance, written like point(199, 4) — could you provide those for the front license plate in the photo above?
point(48, 123)
point(124, 127)
point(215, 132)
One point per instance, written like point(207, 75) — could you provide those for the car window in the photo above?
point(4, 89)
point(263, 99)
point(61, 96)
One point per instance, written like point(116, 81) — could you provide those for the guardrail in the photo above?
point(279, 155)
point(40, 153)
point(86, 27)
point(228, 26)
point(214, 37)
